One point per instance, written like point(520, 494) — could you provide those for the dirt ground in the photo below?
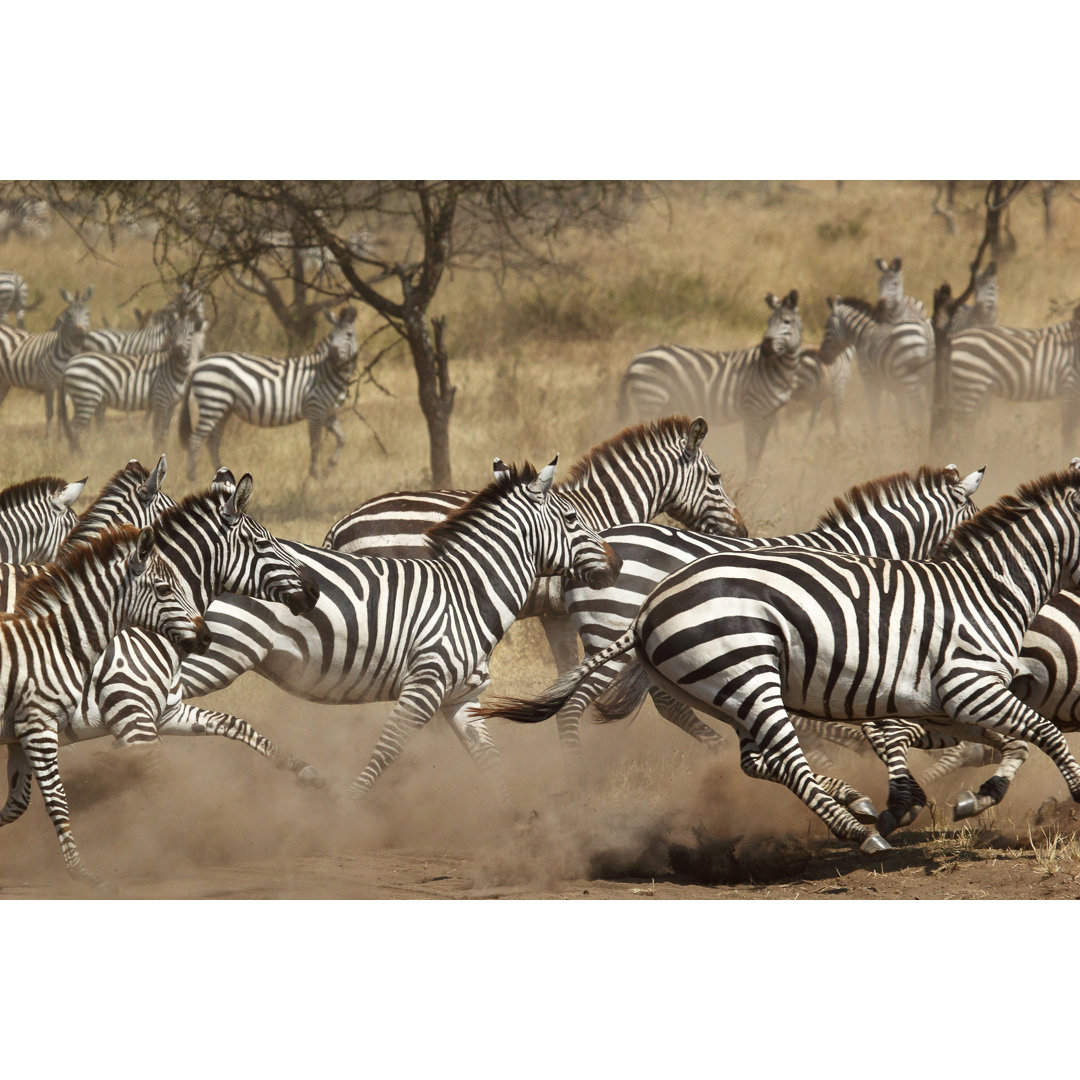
point(654, 818)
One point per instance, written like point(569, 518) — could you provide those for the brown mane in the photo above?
point(132, 471)
point(52, 586)
point(650, 433)
point(867, 496)
point(970, 535)
point(495, 492)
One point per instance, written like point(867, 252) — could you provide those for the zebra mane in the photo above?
point(969, 536)
point(647, 434)
point(130, 474)
point(27, 490)
point(868, 496)
point(55, 584)
point(494, 493)
point(875, 311)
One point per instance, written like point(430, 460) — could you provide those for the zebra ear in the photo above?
point(792, 299)
point(831, 301)
point(239, 499)
point(63, 499)
point(967, 487)
point(881, 264)
point(502, 472)
point(66, 296)
point(896, 263)
point(772, 300)
point(1074, 465)
point(144, 545)
point(152, 484)
point(698, 430)
point(539, 488)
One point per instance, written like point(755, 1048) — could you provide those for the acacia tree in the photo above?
point(302, 246)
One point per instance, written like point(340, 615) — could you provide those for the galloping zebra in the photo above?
point(900, 517)
point(153, 335)
point(36, 361)
point(415, 631)
point(641, 472)
point(746, 636)
point(749, 385)
point(1039, 364)
point(14, 296)
point(151, 383)
point(270, 392)
point(64, 618)
point(984, 311)
point(35, 516)
point(896, 354)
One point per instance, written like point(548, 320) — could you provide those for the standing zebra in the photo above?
point(894, 354)
point(270, 392)
point(35, 516)
point(14, 296)
point(902, 516)
point(64, 618)
point(894, 305)
point(750, 385)
point(746, 636)
point(1040, 364)
point(36, 361)
point(418, 632)
point(153, 335)
point(984, 311)
point(152, 383)
point(641, 472)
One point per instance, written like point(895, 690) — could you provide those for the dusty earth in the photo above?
point(653, 818)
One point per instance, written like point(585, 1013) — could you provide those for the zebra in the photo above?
point(28, 216)
point(641, 472)
point(35, 517)
point(747, 635)
point(270, 392)
point(816, 383)
point(14, 296)
point(897, 354)
point(1040, 364)
point(984, 311)
point(894, 305)
point(64, 618)
point(901, 516)
point(36, 361)
point(152, 383)
point(418, 632)
point(152, 335)
point(750, 385)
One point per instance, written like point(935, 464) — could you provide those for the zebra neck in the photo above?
point(198, 560)
point(604, 498)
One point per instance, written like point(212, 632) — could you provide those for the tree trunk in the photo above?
point(435, 391)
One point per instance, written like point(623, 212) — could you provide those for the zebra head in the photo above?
point(73, 323)
point(340, 343)
point(986, 288)
point(783, 335)
point(157, 599)
point(698, 499)
point(255, 563)
point(890, 284)
point(185, 342)
point(565, 544)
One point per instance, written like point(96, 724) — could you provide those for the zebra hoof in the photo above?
point(874, 844)
point(863, 811)
point(887, 822)
point(966, 806)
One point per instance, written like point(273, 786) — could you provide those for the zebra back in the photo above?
point(154, 334)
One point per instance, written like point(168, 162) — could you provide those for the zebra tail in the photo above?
point(550, 701)
point(184, 424)
point(624, 695)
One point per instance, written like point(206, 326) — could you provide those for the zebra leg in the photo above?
point(964, 755)
point(190, 720)
point(99, 416)
point(1011, 753)
point(474, 736)
point(20, 784)
point(213, 443)
point(756, 431)
point(333, 425)
point(40, 741)
point(420, 698)
point(48, 395)
point(682, 716)
point(890, 740)
point(315, 430)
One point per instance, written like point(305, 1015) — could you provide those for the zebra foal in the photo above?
point(748, 386)
point(747, 636)
point(269, 392)
point(64, 618)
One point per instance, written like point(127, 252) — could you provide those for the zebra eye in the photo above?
point(162, 590)
point(714, 478)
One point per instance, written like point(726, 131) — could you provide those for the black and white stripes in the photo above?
point(14, 297)
point(35, 517)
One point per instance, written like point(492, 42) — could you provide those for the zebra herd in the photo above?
point(163, 364)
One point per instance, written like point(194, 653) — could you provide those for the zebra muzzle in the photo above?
point(604, 577)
